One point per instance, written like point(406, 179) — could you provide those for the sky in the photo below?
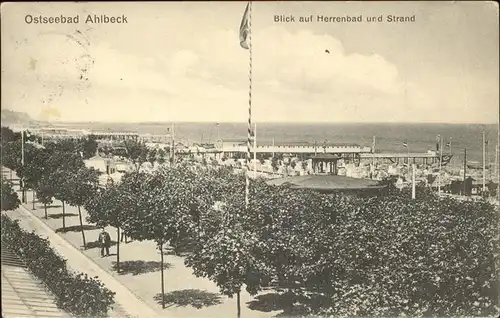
point(183, 62)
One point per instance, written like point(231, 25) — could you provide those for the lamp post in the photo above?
point(21, 181)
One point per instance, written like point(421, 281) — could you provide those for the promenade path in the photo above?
point(127, 304)
point(23, 295)
point(186, 295)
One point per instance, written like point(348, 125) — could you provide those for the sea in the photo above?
point(388, 137)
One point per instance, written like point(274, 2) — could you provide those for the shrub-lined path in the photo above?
point(186, 295)
point(22, 294)
point(126, 303)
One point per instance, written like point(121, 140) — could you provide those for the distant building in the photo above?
point(234, 148)
point(49, 133)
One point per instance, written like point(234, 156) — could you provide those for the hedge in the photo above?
point(10, 200)
point(78, 294)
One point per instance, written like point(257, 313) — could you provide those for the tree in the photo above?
point(274, 164)
point(89, 146)
point(304, 165)
point(113, 205)
point(214, 162)
point(10, 200)
point(456, 186)
point(164, 200)
point(45, 192)
point(33, 170)
point(65, 145)
point(228, 248)
point(288, 224)
point(82, 186)
point(226, 255)
point(137, 152)
point(11, 151)
point(7, 135)
point(492, 188)
point(151, 156)
point(61, 167)
point(21, 169)
point(430, 179)
point(161, 156)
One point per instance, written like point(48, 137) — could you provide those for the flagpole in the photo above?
point(173, 145)
point(488, 159)
point(21, 180)
point(22, 147)
point(373, 149)
point(249, 128)
point(255, 151)
point(408, 148)
point(440, 162)
point(465, 171)
point(496, 161)
point(484, 164)
point(496, 165)
point(413, 183)
point(272, 158)
point(273, 147)
point(372, 168)
point(497, 168)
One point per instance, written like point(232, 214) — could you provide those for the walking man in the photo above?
point(105, 241)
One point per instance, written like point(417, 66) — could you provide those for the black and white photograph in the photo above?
point(250, 159)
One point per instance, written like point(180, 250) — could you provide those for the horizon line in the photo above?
point(264, 122)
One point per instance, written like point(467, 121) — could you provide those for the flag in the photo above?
point(405, 144)
point(244, 28)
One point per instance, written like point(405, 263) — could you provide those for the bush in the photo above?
point(78, 294)
point(10, 200)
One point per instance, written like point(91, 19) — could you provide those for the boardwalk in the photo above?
point(22, 294)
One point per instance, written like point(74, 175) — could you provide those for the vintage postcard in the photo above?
point(250, 159)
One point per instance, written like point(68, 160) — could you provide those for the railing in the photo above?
point(297, 149)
